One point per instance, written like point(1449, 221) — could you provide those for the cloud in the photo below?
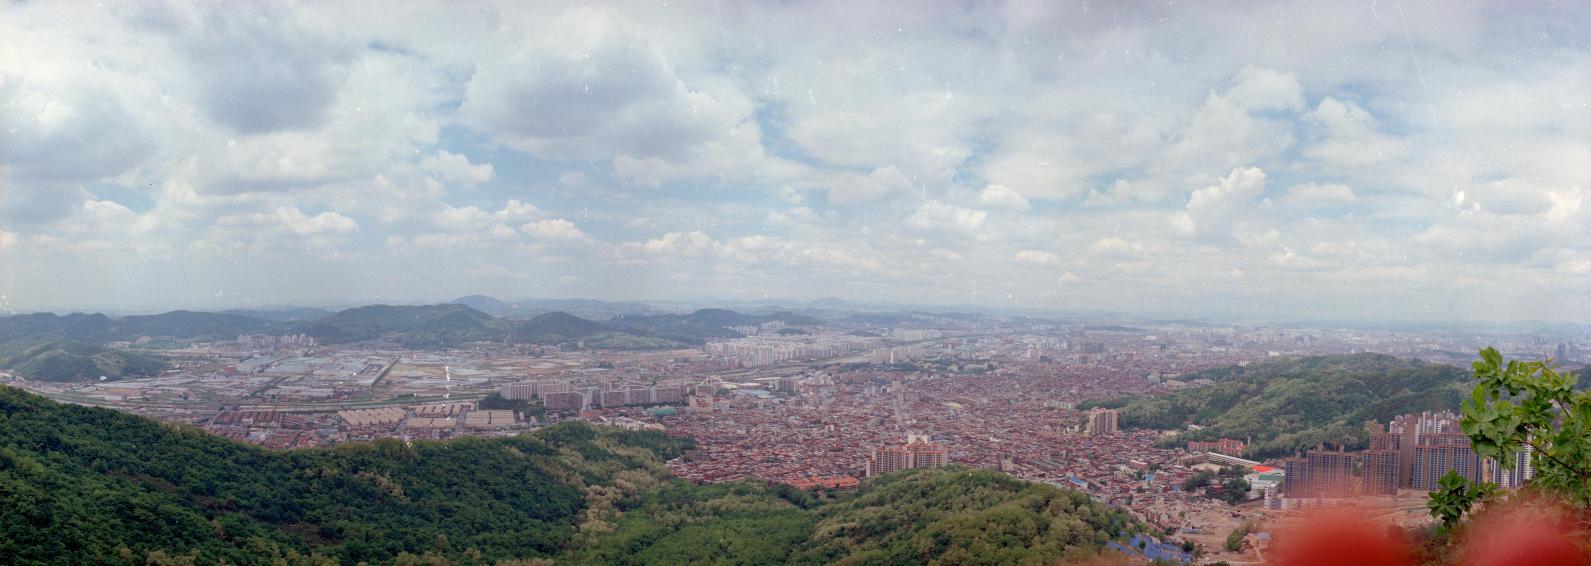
point(999, 196)
point(1346, 135)
point(59, 131)
point(1318, 195)
point(690, 243)
point(194, 147)
point(285, 229)
point(1258, 89)
point(456, 169)
point(1212, 211)
point(1037, 257)
point(260, 68)
point(592, 85)
point(939, 216)
point(851, 188)
point(553, 229)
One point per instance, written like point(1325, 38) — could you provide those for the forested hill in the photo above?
point(53, 359)
point(416, 326)
point(81, 485)
point(1288, 405)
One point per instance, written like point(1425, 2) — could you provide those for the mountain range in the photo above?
point(73, 343)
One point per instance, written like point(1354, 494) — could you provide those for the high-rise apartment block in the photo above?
point(565, 401)
point(1102, 422)
point(1413, 452)
point(532, 389)
point(914, 454)
point(1321, 473)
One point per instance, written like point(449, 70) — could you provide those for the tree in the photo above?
point(1234, 540)
point(1234, 490)
point(1522, 405)
point(1454, 496)
point(1197, 481)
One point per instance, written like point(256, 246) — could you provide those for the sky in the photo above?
point(1377, 160)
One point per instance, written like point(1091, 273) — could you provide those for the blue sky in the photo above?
point(1403, 160)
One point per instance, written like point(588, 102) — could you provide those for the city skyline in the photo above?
point(1364, 161)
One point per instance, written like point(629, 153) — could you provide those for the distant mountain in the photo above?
point(81, 485)
point(584, 308)
point(703, 324)
point(483, 303)
point(554, 328)
point(55, 359)
point(421, 326)
point(1284, 406)
point(415, 326)
point(99, 329)
point(297, 314)
point(880, 319)
point(830, 303)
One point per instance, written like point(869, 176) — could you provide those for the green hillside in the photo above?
point(53, 359)
point(554, 328)
point(414, 326)
point(1289, 405)
point(81, 485)
point(98, 328)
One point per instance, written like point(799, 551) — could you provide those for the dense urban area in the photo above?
point(825, 399)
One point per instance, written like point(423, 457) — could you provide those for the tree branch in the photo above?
point(1583, 474)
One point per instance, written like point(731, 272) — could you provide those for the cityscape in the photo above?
point(844, 397)
point(812, 283)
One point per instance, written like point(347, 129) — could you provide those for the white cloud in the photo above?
point(1347, 136)
point(162, 143)
point(1258, 89)
point(1037, 257)
point(999, 196)
point(553, 229)
point(457, 169)
point(939, 216)
point(1213, 211)
point(677, 243)
point(1316, 195)
point(285, 229)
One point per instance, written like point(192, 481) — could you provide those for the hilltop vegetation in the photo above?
point(91, 485)
point(53, 359)
point(99, 329)
point(425, 326)
point(86, 485)
point(422, 326)
point(1289, 405)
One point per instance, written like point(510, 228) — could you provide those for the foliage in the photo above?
point(1234, 540)
point(91, 485)
point(1454, 496)
point(1532, 405)
point(418, 326)
point(554, 328)
point(1234, 490)
point(961, 516)
point(496, 402)
point(1289, 405)
point(99, 329)
point(1198, 480)
point(1519, 405)
point(77, 484)
point(421, 326)
point(51, 359)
